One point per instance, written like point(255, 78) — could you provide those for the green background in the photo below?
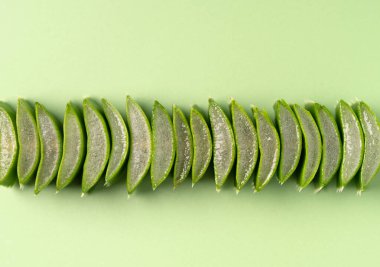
point(183, 52)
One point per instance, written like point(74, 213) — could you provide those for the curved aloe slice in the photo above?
point(224, 149)
point(73, 147)
point(29, 143)
point(246, 144)
point(141, 144)
point(331, 144)
point(98, 145)
point(371, 158)
point(119, 141)
point(184, 146)
point(353, 144)
point(163, 152)
point(202, 145)
point(312, 146)
point(291, 140)
point(8, 145)
point(269, 148)
point(51, 148)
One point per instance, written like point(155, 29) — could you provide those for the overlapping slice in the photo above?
point(224, 149)
point(202, 145)
point(371, 158)
point(163, 145)
point(353, 144)
point(119, 141)
point(269, 148)
point(29, 143)
point(51, 147)
point(331, 144)
point(98, 145)
point(8, 145)
point(291, 140)
point(140, 144)
point(74, 143)
point(246, 144)
point(312, 148)
point(184, 147)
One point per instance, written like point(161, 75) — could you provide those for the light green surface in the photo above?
point(182, 52)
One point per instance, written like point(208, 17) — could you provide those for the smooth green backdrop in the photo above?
point(183, 52)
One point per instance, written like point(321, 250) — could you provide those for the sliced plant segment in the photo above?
point(51, 147)
point(371, 159)
point(247, 146)
point(163, 145)
point(184, 146)
point(224, 149)
point(140, 146)
point(291, 140)
point(28, 140)
point(119, 141)
point(202, 145)
point(269, 148)
point(74, 143)
point(8, 145)
point(331, 144)
point(98, 145)
point(312, 146)
point(353, 144)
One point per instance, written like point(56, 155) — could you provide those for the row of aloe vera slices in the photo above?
point(313, 145)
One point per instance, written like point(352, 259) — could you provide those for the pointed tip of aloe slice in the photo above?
point(83, 194)
point(318, 189)
point(340, 189)
point(359, 192)
point(218, 189)
point(237, 191)
point(22, 186)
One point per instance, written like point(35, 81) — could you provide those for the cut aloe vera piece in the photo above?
point(312, 149)
point(29, 143)
point(98, 145)
point(73, 147)
point(51, 147)
point(141, 144)
point(291, 140)
point(184, 146)
point(247, 147)
point(8, 145)
point(224, 149)
point(163, 145)
point(202, 145)
point(331, 144)
point(371, 159)
point(269, 148)
point(353, 144)
point(119, 141)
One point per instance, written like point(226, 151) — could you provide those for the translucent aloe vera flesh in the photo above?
point(291, 140)
point(163, 145)
point(246, 144)
point(74, 143)
point(8, 145)
point(202, 145)
point(51, 148)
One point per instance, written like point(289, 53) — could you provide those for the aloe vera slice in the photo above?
point(51, 147)
point(269, 148)
point(140, 146)
point(331, 144)
point(73, 147)
point(371, 158)
point(98, 145)
point(163, 145)
point(184, 146)
point(247, 147)
point(119, 141)
point(8, 145)
point(202, 145)
point(353, 144)
point(224, 149)
point(29, 143)
point(291, 140)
